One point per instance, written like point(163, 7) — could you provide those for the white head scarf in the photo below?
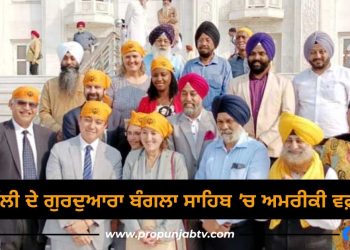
point(73, 48)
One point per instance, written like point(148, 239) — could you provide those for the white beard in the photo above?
point(159, 52)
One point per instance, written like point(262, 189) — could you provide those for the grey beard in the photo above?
point(67, 79)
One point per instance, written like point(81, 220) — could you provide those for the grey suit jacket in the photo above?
point(65, 163)
point(10, 169)
point(182, 140)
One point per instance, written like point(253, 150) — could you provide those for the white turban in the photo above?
point(73, 48)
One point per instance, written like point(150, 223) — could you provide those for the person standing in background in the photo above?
point(232, 33)
point(168, 15)
point(34, 52)
point(135, 20)
point(85, 39)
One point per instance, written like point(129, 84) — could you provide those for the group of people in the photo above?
point(209, 118)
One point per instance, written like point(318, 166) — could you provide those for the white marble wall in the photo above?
point(301, 17)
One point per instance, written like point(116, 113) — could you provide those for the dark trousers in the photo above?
point(21, 242)
point(243, 240)
point(310, 238)
point(33, 68)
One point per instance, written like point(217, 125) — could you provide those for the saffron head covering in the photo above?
point(35, 33)
point(320, 38)
point(210, 30)
point(266, 42)
point(97, 78)
point(73, 48)
point(167, 29)
point(132, 46)
point(158, 123)
point(198, 83)
point(96, 109)
point(162, 62)
point(305, 129)
point(135, 119)
point(26, 93)
point(233, 105)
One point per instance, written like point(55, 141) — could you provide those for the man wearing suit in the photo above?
point(267, 94)
point(24, 150)
point(96, 83)
point(83, 157)
point(194, 129)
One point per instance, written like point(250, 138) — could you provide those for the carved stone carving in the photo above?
point(205, 12)
point(309, 15)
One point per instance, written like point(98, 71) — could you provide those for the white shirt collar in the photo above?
point(83, 143)
point(20, 129)
point(198, 118)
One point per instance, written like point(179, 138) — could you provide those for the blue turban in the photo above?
point(266, 42)
point(233, 105)
point(167, 29)
point(320, 38)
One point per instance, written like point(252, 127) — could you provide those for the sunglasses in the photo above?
point(21, 103)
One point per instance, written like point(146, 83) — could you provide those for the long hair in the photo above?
point(153, 94)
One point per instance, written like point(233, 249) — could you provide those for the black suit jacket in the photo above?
point(10, 169)
point(70, 126)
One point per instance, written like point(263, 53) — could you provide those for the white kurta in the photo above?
point(135, 19)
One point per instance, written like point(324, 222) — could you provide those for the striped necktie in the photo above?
point(87, 175)
point(29, 169)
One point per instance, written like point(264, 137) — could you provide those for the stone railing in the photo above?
point(105, 57)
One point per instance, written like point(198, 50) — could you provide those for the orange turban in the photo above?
point(96, 109)
point(162, 62)
point(97, 78)
point(136, 118)
point(26, 93)
point(158, 123)
point(132, 46)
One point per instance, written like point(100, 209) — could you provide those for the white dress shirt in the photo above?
point(324, 98)
point(194, 125)
point(19, 137)
point(83, 145)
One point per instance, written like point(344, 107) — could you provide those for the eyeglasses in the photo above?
point(21, 103)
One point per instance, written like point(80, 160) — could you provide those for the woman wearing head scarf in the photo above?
point(131, 85)
point(154, 161)
point(162, 93)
